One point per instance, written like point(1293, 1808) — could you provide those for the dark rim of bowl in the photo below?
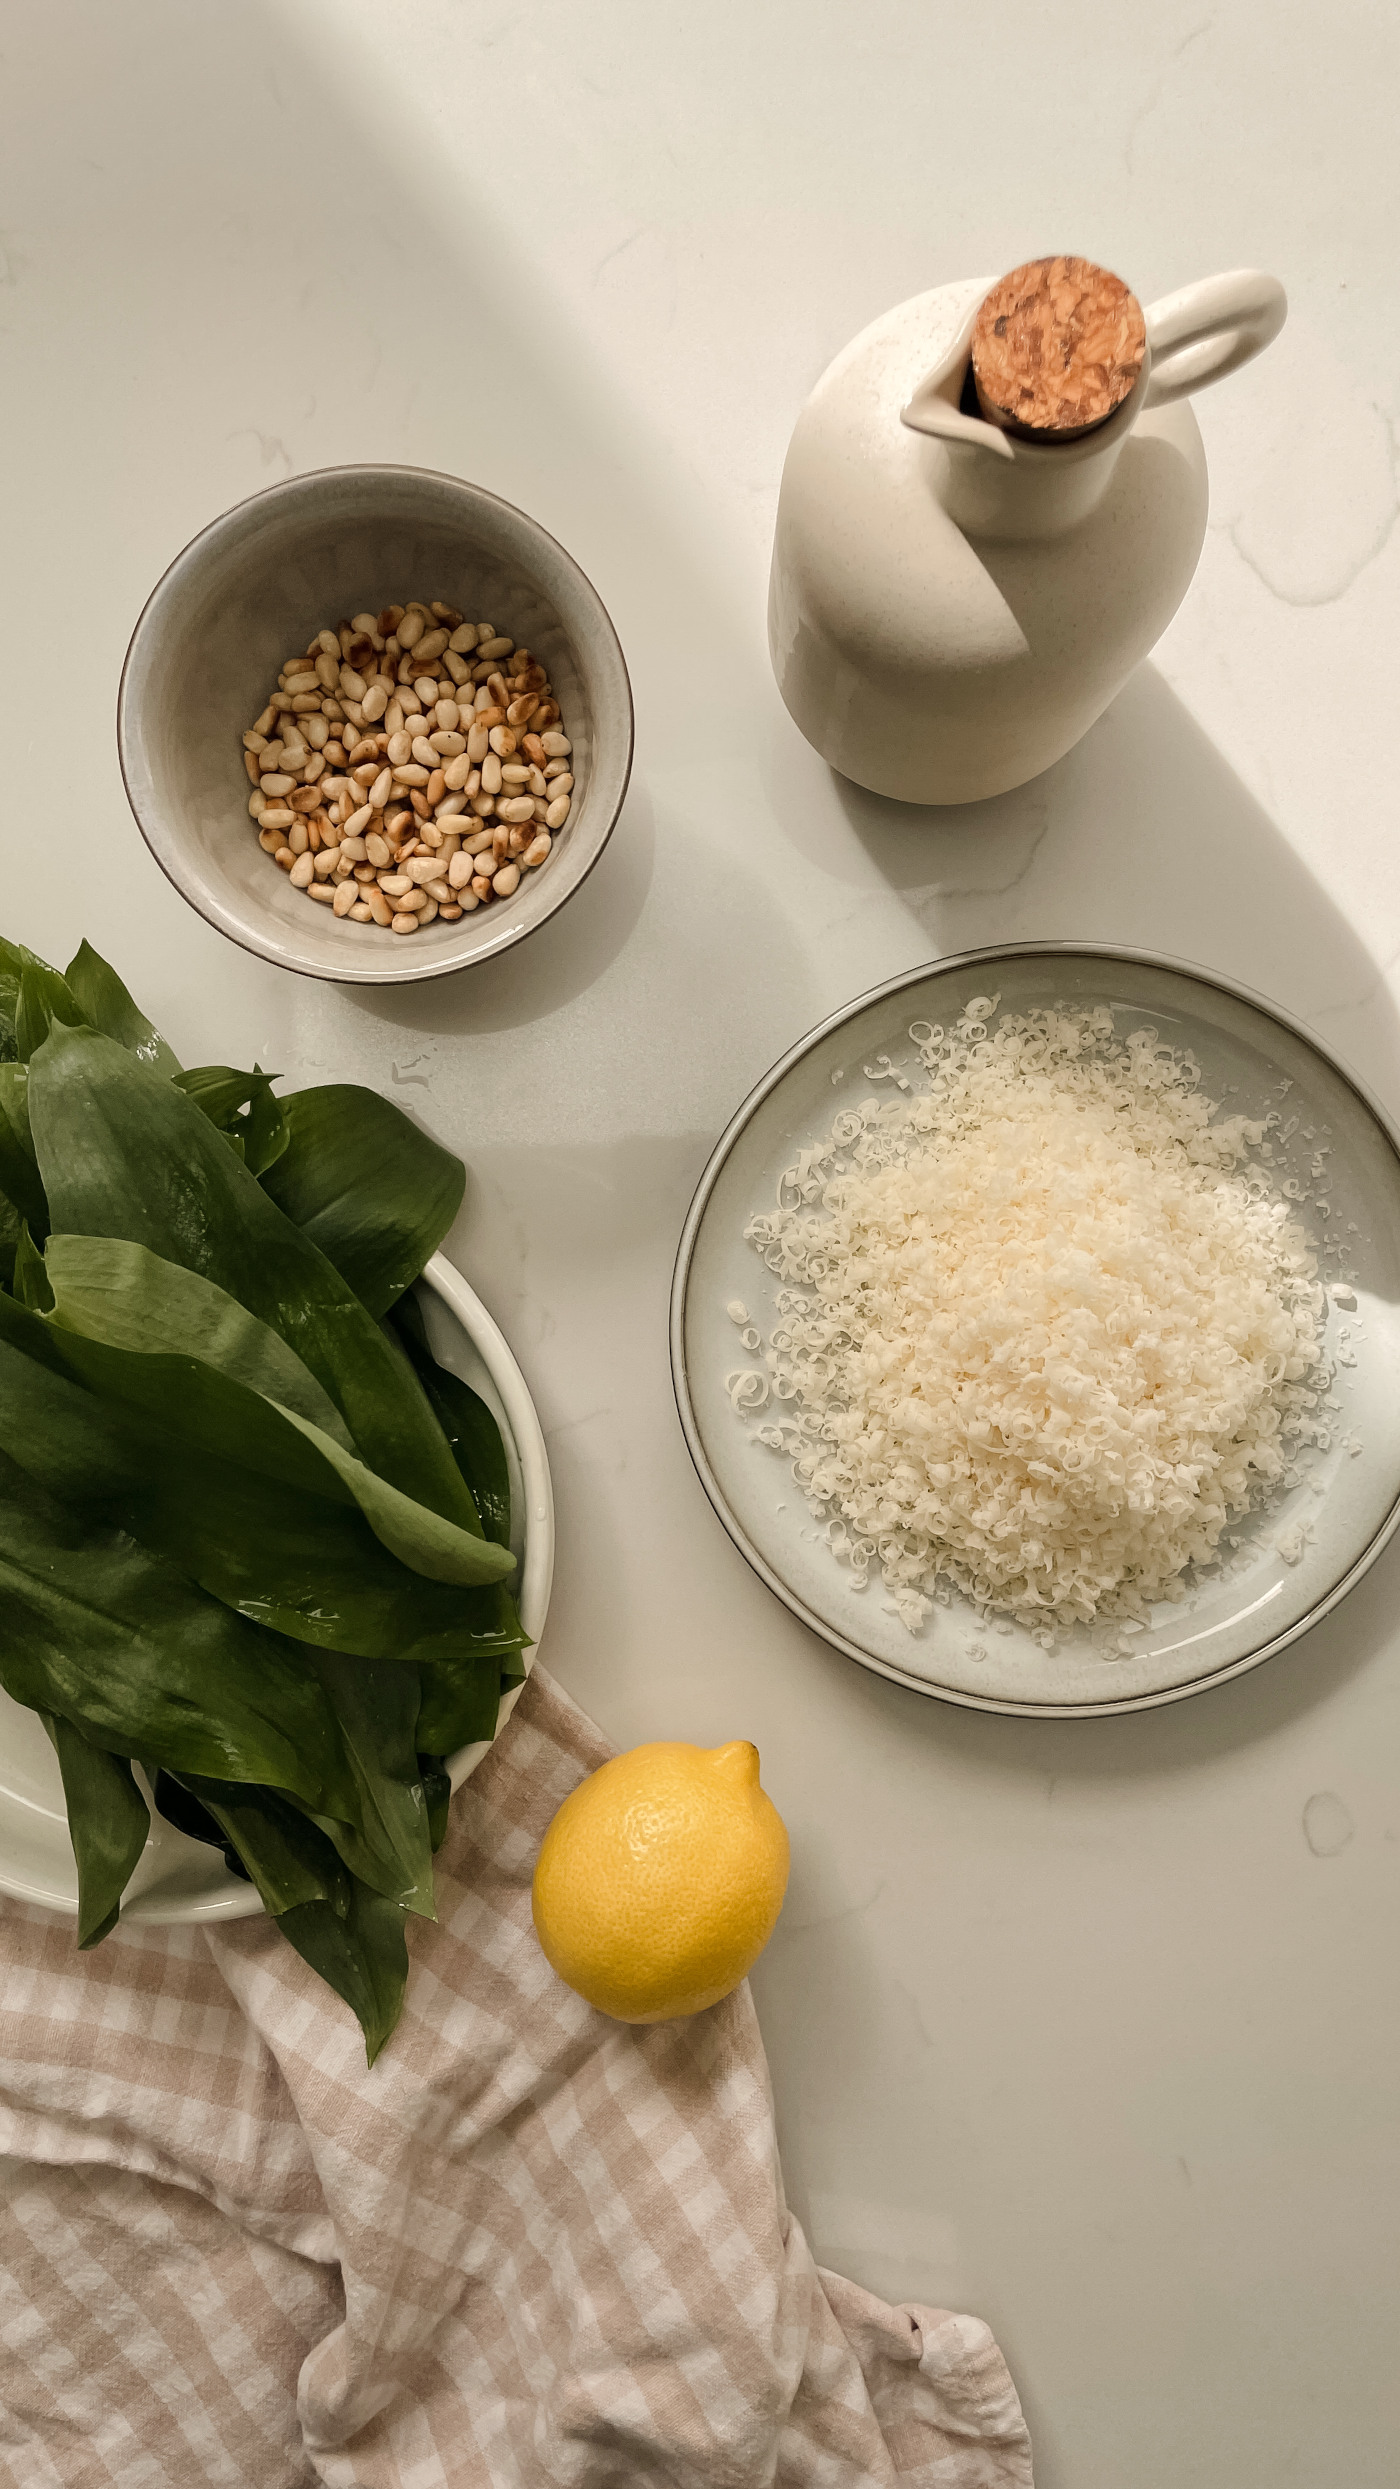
point(954, 964)
point(408, 973)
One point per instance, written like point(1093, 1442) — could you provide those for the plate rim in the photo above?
point(536, 1582)
point(954, 963)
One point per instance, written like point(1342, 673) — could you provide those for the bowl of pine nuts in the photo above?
point(375, 724)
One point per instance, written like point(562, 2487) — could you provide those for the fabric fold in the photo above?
point(530, 2246)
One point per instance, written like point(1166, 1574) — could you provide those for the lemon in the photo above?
point(660, 1880)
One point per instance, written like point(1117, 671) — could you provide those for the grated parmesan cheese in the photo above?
point(1043, 1329)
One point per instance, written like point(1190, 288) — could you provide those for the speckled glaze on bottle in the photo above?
point(950, 607)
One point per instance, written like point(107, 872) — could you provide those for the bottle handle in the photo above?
point(1203, 331)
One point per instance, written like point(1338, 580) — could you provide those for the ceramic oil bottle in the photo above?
point(960, 585)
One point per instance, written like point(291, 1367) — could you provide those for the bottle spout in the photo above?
point(935, 406)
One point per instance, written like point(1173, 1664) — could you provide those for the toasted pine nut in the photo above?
point(285, 858)
point(520, 712)
point(328, 670)
point(556, 745)
point(503, 742)
point(458, 771)
point(403, 924)
point(516, 808)
point(463, 639)
point(359, 821)
point(269, 841)
point(321, 891)
point(303, 872)
point(278, 817)
point(394, 885)
point(410, 629)
point(411, 774)
point(378, 906)
point(537, 850)
point(557, 814)
point(262, 725)
point(345, 897)
point(359, 914)
point(497, 646)
point(457, 667)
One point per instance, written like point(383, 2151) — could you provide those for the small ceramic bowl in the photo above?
point(254, 587)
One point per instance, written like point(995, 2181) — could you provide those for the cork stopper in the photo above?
point(1056, 349)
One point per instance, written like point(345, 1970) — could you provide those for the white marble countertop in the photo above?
point(1069, 2024)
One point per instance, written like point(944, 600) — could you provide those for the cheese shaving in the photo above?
point(1043, 1328)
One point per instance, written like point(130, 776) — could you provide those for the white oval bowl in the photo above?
point(178, 1879)
point(257, 583)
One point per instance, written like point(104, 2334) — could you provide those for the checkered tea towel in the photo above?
point(531, 2246)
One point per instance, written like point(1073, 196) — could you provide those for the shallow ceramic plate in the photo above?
point(178, 1878)
point(1297, 1561)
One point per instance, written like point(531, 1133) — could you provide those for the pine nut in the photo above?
point(402, 798)
point(449, 915)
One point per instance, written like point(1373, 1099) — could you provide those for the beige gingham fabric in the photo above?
point(530, 2247)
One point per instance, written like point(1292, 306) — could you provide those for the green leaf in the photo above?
point(363, 1956)
point(372, 1191)
point(124, 1155)
point(131, 1298)
point(437, 1793)
point(460, 1704)
point(222, 1094)
point(352, 1938)
point(30, 1279)
point(105, 1004)
point(466, 1421)
point(20, 1179)
point(12, 1227)
point(43, 999)
point(14, 959)
point(210, 1475)
point(110, 1290)
point(118, 1640)
point(108, 1823)
point(182, 1809)
point(377, 1708)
